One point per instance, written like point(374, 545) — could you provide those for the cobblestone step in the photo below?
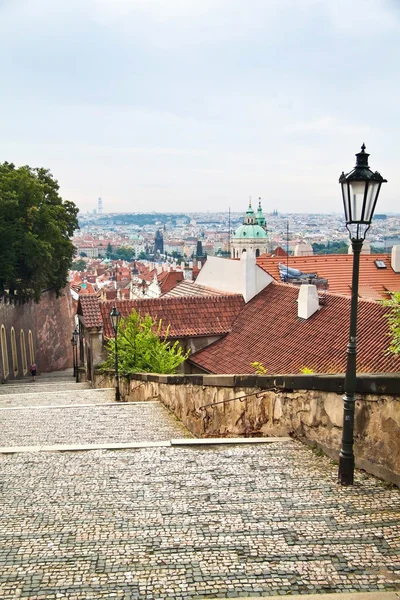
point(38, 386)
point(191, 523)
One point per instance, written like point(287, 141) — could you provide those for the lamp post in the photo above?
point(360, 191)
point(73, 354)
point(115, 318)
point(75, 335)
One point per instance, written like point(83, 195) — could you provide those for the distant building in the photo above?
point(252, 235)
point(159, 242)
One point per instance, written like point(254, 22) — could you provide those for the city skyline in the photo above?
point(174, 107)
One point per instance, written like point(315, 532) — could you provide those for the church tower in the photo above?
point(252, 235)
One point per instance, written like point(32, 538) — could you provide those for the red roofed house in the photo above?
point(379, 273)
point(194, 321)
point(286, 329)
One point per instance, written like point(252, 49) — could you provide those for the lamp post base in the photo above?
point(346, 470)
point(117, 395)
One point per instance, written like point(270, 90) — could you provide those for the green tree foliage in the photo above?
point(78, 265)
point(330, 248)
point(141, 349)
point(35, 229)
point(393, 317)
point(125, 253)
point(109, 250)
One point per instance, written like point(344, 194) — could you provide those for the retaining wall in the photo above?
point(308, 407)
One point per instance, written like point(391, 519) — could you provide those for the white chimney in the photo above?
point(183, 265)
point(366, 248)
point(303, 249)
point(199, 265)
point(308, 302)
point(248, 265)
point(395, 262)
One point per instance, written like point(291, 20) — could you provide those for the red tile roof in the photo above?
point(187, 317)
point(337, 268)
point(269, 331)
point(89, 309)
point(169, 279)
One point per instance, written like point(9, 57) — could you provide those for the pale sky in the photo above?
point(179, 105)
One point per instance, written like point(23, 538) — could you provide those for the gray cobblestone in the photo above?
point(185, 523)
point(125, 422)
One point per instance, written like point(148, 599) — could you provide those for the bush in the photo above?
point(141, 349)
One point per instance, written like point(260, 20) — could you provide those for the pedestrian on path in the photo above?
point(32, 369)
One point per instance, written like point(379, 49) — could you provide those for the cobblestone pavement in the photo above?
point(145, 422)
point(182, 523)
point(55, 397)
point(192, 523)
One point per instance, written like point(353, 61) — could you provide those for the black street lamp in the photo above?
point(75, 335)
point(73, 344)
point(360, 190)
point(115, 317)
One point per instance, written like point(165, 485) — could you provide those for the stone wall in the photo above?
point(51, 322)
point(308, 407)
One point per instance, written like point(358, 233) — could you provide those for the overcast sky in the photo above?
point(182, 105)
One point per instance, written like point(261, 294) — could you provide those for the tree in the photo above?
point(78, 265)
point(141, 349)
point(109, 250)
point(393, 317)
point(35, 229)
point(125, 253)
point(83, 254)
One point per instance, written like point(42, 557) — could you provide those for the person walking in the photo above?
point(32, 369)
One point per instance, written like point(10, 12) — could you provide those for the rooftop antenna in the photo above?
point(229, 231)
point(287, 250)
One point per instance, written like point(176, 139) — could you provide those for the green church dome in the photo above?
point(250, 232)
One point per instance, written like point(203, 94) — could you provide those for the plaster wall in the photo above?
point(51, 324)
point(242, 276)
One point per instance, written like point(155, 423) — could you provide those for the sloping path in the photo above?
point(178, 522)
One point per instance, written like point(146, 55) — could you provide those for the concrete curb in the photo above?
point(133, 445)
point(345, 596)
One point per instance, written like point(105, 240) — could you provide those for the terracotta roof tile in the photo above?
point(187, 317)
point(88, 307)
point(337, 269)
point(169, 279)
point(269, 331)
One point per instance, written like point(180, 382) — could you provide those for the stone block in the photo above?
point(219, 380)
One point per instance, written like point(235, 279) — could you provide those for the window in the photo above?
point(31, 350)
point(380, 264)
point(14, 351)
point(4, 352)
point(23, 352)
point(258, 252)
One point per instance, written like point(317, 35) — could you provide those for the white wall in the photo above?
point(236, 276)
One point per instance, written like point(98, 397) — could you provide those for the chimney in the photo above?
point(366, 248)
point(308, 302)
point(303, 249)
point(183, 265)
point(248, 264)
point(395, 262)
point(199, 265)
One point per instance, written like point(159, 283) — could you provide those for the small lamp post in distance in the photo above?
point(115, 318)
point(73, 343)
point(360, 191)
point(75, 335)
